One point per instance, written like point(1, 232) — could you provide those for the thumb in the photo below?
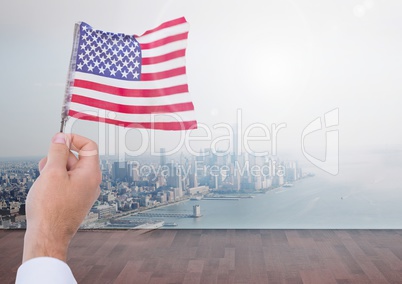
point(58, 152)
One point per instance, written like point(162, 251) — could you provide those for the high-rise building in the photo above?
point(173, 179)
point(162, 156)
point(133, 171)
point(119, 171)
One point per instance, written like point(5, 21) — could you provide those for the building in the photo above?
point(104, 211)
point(119, 171)
point(200, 190)
point(162, 156)
point(196, 211)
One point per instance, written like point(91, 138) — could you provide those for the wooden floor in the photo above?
point(224, 256)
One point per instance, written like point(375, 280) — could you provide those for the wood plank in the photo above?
point(224, 256)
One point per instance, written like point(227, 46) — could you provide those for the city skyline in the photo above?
point(129, 188)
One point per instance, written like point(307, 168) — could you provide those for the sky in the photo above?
point(278, 63)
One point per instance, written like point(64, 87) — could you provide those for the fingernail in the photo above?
point(59, 138)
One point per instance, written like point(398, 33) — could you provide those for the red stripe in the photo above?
point(130, 92)
point(131, 108)
point(164, 74)
point(177, 125)
point(164, 41)
point(164, 57)
point(165, 25)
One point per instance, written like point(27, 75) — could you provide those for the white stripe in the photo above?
point(146, 85)
point(179, 29)
point(157, 101)
point(164, 49)
point(168, 65)
point(157, 117)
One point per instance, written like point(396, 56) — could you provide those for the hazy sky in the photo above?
point(278, 61)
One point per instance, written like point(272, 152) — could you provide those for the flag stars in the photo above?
point(108, 54)
point(119, 67)
point(113, 72)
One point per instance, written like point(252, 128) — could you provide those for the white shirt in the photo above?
point(45, 270)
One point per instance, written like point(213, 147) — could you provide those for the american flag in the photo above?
point(131, 81)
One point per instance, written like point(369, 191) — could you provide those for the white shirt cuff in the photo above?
point(44, 270)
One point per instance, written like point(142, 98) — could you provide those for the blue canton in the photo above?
point(108, 54)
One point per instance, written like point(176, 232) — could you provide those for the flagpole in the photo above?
point(70, 79)
point(63, 120)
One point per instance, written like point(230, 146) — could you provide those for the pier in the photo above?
point(174, 215)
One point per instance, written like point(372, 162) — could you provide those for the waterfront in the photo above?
point(366, 194)
point(319, 202)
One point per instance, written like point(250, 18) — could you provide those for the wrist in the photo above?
point(39, 245)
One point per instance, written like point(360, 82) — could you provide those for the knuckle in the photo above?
point(92, 145)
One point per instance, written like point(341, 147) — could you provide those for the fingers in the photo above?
point(84, 146)
point(58, 152)
point(88, 155)
point(71, 162)
point(42, 164)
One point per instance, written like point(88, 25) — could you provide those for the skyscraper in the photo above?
point(162, 156)
point(119, 171)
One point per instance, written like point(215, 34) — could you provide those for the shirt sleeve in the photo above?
point(45, 270)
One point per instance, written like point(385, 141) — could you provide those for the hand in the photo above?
point(62, 196)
